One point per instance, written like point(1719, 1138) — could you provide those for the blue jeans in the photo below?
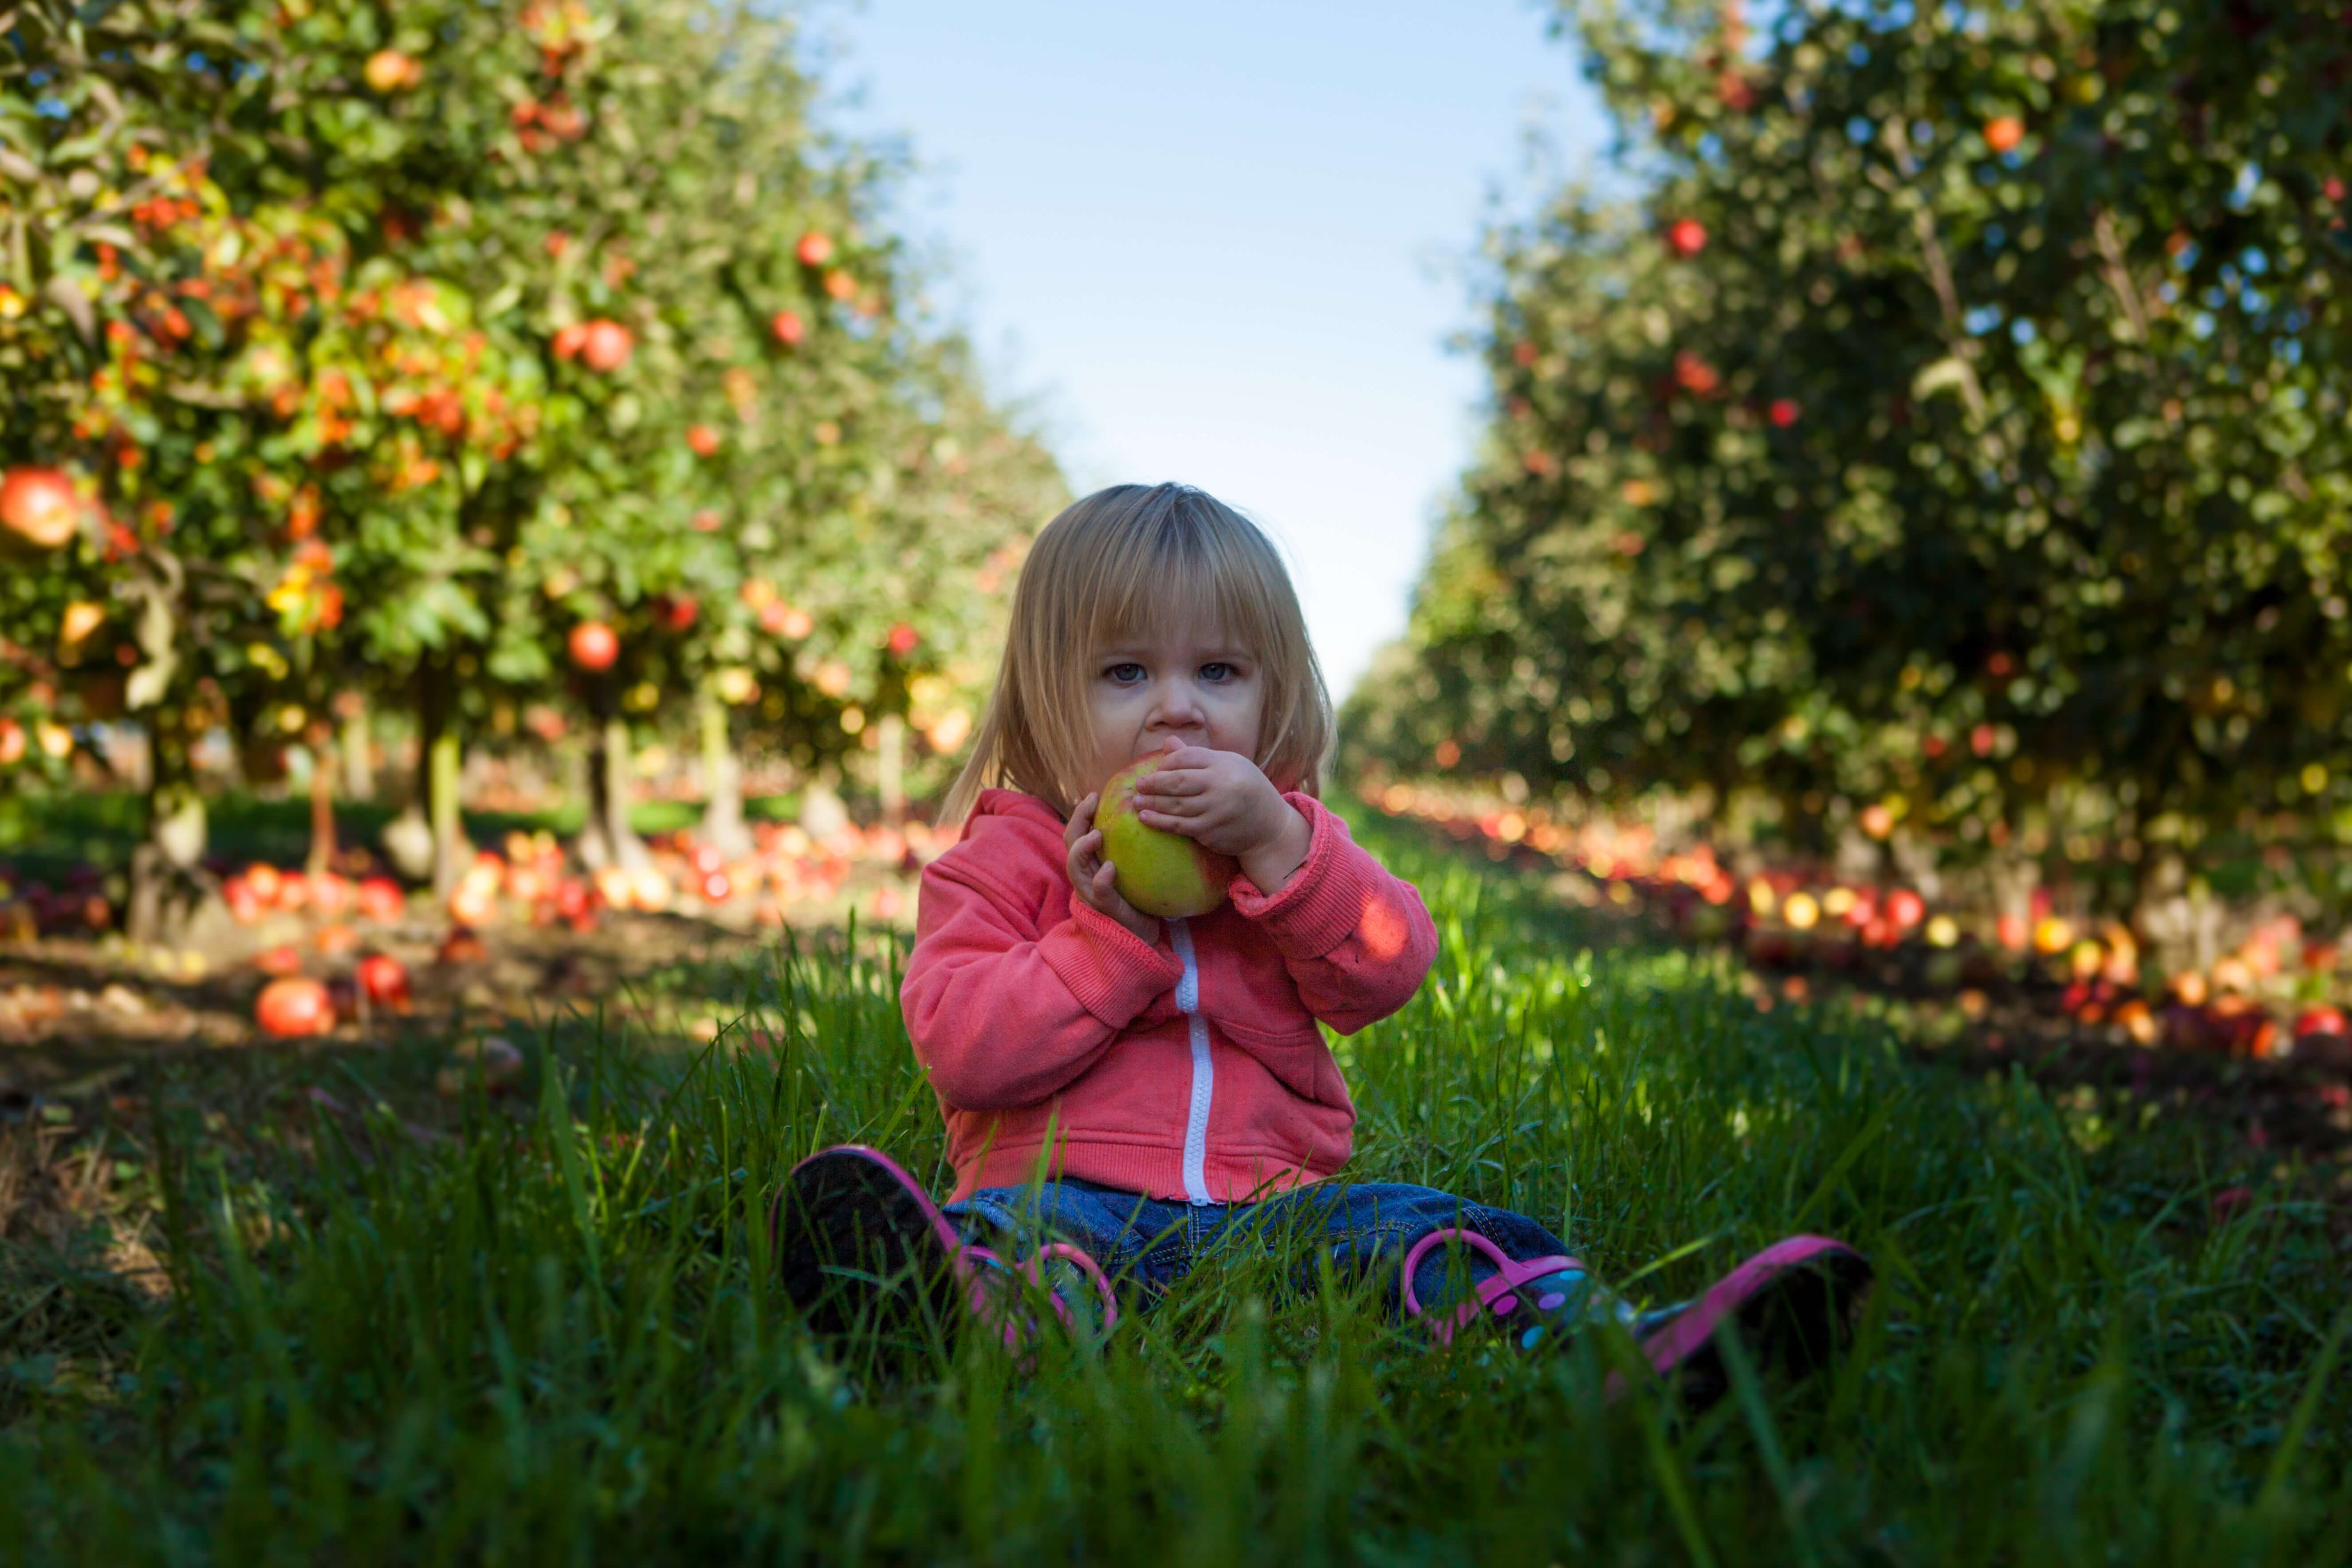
point(1364, 1229)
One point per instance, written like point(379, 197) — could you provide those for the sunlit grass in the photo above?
point(555, 1338)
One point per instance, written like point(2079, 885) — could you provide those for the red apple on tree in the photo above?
point(1160, 873)
point(704, 441)
point(789, 327)
point(1686, 236)
point(2003, 132)
point(815, 248)
point(606, 345)
point(903, 638)
point(593, 646)
point(569, 341)
point(389, 70)
point(38, 505)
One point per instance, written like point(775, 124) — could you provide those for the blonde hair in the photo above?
point(1129, 560)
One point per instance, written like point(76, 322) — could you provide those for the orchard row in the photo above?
point(458, 358)
point(1949, 444)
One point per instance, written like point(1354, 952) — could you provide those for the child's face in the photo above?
point(1192, 686)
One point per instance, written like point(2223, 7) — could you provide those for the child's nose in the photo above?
point(1176, 706)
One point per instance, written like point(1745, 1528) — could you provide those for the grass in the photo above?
point(554, 1338)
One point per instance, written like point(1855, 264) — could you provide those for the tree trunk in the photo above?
point(451, 852)
point(321, 859)
point(722, 783)
point(174, 903)
point(607, 839)
point(440, 755)
point(359, 773)
point(891, 744)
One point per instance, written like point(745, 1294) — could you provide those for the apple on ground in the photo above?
point(383, 980)
point(2320, 1021)
point(1160, 873)
point(293, 1006)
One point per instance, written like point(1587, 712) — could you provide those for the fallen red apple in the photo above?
point(380, 899)
point(38, 506)
point(383, 979)
point(1160, 873)
point(2320, 1021)
point(593, 645)
point(294, 1006)
point(333, 895)
point(461, 946)
point(283, 959)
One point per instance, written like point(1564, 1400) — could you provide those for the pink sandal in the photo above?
point(1499, 1293)
point(1795, 1303)
point(857, 1240)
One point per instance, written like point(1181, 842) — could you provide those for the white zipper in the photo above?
point(1204, 1071)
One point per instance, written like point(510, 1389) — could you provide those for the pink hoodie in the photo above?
point(1189, 1070)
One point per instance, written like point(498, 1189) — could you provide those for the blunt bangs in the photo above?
point(1141, 561)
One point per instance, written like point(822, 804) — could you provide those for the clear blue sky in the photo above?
point(1225, 242)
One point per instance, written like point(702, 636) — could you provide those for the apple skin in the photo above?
point(1160, 873)
point(39, 506)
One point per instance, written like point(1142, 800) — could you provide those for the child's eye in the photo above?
point(1126, 674)
point(1216, 671)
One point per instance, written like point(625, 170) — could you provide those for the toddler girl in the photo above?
point(1126, 1094)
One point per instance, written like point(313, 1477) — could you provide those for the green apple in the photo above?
point(1160, 873)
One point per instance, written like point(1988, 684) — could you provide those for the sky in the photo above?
point(1227, 242)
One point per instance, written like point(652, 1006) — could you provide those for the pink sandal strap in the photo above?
point(1086, 1266)
point(1498, 1293)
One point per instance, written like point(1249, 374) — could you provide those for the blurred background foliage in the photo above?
point(1952, 431)
point(538, 372)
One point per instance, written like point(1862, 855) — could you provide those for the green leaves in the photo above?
point(310, 296)
point(2002, 355)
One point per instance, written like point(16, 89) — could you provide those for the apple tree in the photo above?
point(1951, 426)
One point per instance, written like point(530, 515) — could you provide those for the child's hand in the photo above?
point(1222, 801)
point(1094, 879)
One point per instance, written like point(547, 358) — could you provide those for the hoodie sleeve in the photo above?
point(1003, 1014)
point(1356, 939)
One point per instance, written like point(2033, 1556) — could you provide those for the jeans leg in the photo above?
point(1368, 1227)
point(1134, 1240)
